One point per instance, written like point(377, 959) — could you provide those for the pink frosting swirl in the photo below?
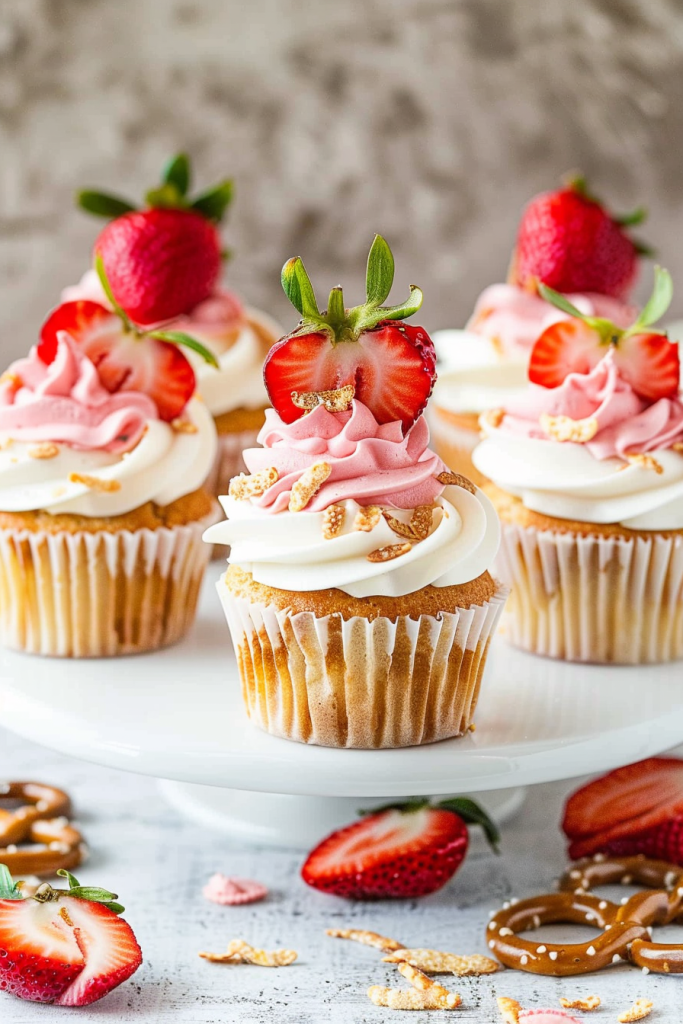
point(515, 318)
point(372, 463)
point(626, 422)
point(66, 402)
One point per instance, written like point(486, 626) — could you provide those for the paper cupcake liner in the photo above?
point(87, 595)
point(229, 462)
point(595, 599)
point(455, 444)
point(360, 683)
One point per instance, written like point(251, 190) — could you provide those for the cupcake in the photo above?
point(358, 594)
point(103, 451)
point(164, 264)
point(587, 478)
point(567, 240)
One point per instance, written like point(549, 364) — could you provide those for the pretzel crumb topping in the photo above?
point(308, 484)
point(389, 552)
point(646, 462)
point(449, 479)
point(46, 450)
point(240, 952)
point(492, 418)
point(333, 521)
point(367, 518)
point(677, 446)
point(641, 1008)
point(365, 938)
point(334, 400)
point(183, 426)
point(433, 961)
point(509, 1009)
point(564, 428)
point(94, 483)
point(247, 486)
point(13, 379)
point(587, 1003)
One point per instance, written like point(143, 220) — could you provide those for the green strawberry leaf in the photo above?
point(555, 299)
point(167, 197)
point(629, 220)
point(103, 205)
point(380, 272)
point(180, 338)
point(472, 814)
point(9, 890)
point(298, 288)
point(106, 287)
point(658, 303)
point(92, 893)
point(643, 249)
point(71, 879)
point(406, 806)
point(213, 203)
point(177, 173)
point(404, 309)
point(336, 313)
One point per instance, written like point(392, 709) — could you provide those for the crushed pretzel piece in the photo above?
point(434, 962)
point(441, 996)
point(13, 379)
point(421, 521)
point(240, 952)
point(366, 938)
point(641, 1008)
point(335, 400)
point(587, 1003)
point(333, 521)
point(389, 552)
point(46, 450)
point(492, 418)
point(367, 518)
point(646, 462)
point(95, 483)
point(7, 443)
point(510, 1009)
point(403, 999)
point(400, 528)
point(247, 486)
point(449, 479)
point(564, 428)
point(677, 446)
point(308, 484)
point(183, 426)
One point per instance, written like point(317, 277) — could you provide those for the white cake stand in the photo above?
point(178, 715)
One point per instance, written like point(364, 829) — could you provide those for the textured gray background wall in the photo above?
point(428, 120)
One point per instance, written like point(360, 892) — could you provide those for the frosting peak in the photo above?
point(371, 463)
point(65, 401)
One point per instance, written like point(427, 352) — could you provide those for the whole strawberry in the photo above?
point(64, 946)
point(163, 260)
point(390, 365)
point(569, 241)
point(397, 852)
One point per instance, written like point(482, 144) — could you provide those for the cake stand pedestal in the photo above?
point(178, 715)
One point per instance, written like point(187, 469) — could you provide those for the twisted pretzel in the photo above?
point(36, 837)
point(626, 927)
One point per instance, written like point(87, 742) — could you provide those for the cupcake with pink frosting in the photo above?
point(567, 240)
point(358, 594)
point(101, 506)
point(587, 471)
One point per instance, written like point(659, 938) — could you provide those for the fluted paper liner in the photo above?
point(601, 599)
point(86, 595)
point(360, 683)
point(229, 462)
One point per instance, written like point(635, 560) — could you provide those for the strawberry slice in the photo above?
point(662, 842)
point(126, 360)
point(624, 803)
point(61, 946)
point(646, 359)
point(392, 366)
point(396, 852)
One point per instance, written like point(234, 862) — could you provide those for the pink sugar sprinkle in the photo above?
point(232, 891)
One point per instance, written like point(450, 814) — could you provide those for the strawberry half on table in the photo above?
point(163, 260)
point(636, 809)
point(390, 364)
point(399, 851)
point(645, 357)
point(127, 357)
point(63, 946)
point(568, 240)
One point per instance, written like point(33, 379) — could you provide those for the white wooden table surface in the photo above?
point(158, 862)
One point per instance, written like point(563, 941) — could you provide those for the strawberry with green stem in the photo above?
point(390, 364)
point(69, 946)
point(163, 260)
point(645, 357)
point(398, 851)
point(127, 357)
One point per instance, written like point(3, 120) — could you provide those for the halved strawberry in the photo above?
point(396, 852)
point(623, 804)
point(645, 358)
point(126, 360)
point(391, 365)
point(61, 946)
